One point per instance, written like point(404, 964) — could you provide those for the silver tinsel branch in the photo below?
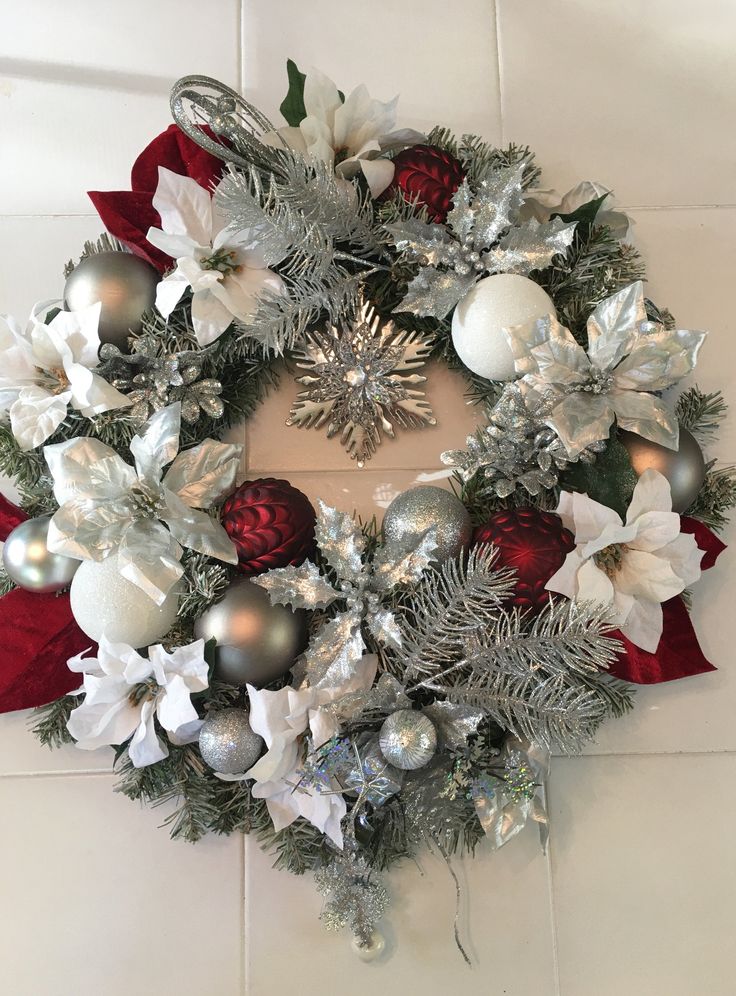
point(355, 896)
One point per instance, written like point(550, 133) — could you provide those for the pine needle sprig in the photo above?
point(701, 413)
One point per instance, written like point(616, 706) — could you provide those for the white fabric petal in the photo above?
point(173, 245)
point(565, 580)
point(187, 663)
point(590, 518)
point(321, 97)
point(92, 395)
point(594, 585)
point(643, 625)
point(103, 723)
point(36, 415)
point(651, 494)
point(169, 292)
point(185, 207)
point(210, 317)
point(647, 576)
point(685, 556)
point(378, 173)
point(79, 330)
point(174, 705)
point(146, 748)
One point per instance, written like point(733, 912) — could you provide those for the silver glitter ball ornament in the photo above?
point(414, 511)
point(684, 467)
point(124, 284)
point(30, 563)
point(257, 642)
point(408, 739)
point(227, 743)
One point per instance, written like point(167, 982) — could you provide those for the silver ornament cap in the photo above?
point(125, 286)
point(29, 562)
point(257, 642)
point(684, 467)
point(227, 742)
point(414, 511)
point(408, 739)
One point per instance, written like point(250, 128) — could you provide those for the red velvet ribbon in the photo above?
point(679, 654)
point(39, 635)
point(128, 214)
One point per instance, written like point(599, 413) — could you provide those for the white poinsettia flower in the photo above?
point(282, 718)
point(124, 693)
point(628, 359)
point(223, 267)
point(352, 135)
point(632, 566)
point(49, 368)
point(108, 507)
point(542, 204)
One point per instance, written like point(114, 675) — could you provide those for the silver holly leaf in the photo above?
point(454, 722)
point(300, 587)
point(341, 541)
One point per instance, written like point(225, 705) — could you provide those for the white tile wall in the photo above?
point(635, 897)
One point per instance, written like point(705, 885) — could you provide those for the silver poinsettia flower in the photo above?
point(629, 358)
point(141, 514)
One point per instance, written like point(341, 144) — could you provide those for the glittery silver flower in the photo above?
point(356, 897)
point(362, 379)
point(483, 235)
point(162, 379)
point(514, 450)
point(359, 585)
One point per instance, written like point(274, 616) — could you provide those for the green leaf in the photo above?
point(586, 213)
point(293, 108)
point(610, 480)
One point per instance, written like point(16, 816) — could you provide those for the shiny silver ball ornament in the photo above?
point(30, 563)
point(684, 467)
point(227, 743)
point(124, 284)
point(408, 739)
point(414, 511)
point(257, 642)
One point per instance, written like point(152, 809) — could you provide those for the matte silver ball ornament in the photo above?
point(257, 642)
point(29, 562)
point(684, 467)
point(227, 742)
point(124, 284)
point(414, 511)
point(408, 739)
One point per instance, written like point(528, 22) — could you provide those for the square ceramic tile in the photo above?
point(271, 443)
point(50, 243)
point(632, 94)
point(504, 924)
point(22, 752)
point(136, 44)
point(694, 714)
point(441, 59)
point(643, 875)
point(97, 899)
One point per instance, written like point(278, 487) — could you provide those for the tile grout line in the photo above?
point(240, 61)
point(717, 752)
point(66, 773)
point(497, 20)
point(551, 900)
point(242, 918)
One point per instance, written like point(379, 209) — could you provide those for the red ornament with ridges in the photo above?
point(271, 524)
point(428, 177)
point(534, 543)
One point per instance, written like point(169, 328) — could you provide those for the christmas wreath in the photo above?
point(348, 692)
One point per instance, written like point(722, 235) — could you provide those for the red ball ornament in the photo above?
point(271, 524)
point(428, 177)
point(534, 543)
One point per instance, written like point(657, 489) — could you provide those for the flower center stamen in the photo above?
point(222, 260)
point(144, 691)
point(62, 381)
point(610, 558)
point(598, 382)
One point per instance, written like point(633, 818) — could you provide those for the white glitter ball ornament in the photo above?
point(493, 304)
point(103, 601)
point(408, 739)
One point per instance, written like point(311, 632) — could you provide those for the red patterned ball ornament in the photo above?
point(534, 543)
point(271, 524)
point(428, 177)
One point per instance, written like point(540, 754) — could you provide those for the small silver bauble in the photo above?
point(414, 511)
point(227, 743)
point(257, 642)
point(408, 739)
point(124, 284)
point(104, 602)
point(684, 467)
point(29, 562)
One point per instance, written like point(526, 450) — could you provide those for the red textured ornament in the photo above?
point(428, 177)
point(535, 544)
point(271, 524)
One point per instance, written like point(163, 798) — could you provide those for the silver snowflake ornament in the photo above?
point(361, 379)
